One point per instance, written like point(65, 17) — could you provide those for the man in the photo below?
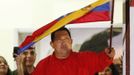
point(64, 61)
point(25, 62)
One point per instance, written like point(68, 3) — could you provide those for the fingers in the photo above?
point(110, 52)
point(20, 59)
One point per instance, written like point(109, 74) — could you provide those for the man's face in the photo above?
point(30, 57)
point(3, 66)
point(62, 42)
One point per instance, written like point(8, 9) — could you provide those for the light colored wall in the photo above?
point(6, 44)
point(29, 15)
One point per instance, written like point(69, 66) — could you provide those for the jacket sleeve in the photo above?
point(95, 61)
point(103, 61)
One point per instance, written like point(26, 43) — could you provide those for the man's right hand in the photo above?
point(20, 63)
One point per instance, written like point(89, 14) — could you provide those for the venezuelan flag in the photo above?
point(101, 13)
point(97, 11)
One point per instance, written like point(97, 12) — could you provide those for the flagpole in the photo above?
point(111, 28)
point(127, 33)
point(112, 12)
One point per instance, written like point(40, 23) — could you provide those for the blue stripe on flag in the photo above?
point(104, 7)
point(25, 47)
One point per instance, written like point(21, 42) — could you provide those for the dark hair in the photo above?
point(61, 29)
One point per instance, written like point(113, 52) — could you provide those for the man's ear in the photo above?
point(51, 43)
point(71, 41)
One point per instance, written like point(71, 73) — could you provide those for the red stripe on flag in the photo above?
point(93, 17)
point(41, 30)
point(37, 33)
point(27, 40)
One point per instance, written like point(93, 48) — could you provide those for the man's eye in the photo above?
point(58, 40)
point(25, 53)
point(67, 39)
point(32, 53)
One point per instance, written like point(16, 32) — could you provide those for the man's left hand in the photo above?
point(110, 52)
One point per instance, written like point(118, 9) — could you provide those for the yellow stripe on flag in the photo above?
point(74, 15)
point(99, 2)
